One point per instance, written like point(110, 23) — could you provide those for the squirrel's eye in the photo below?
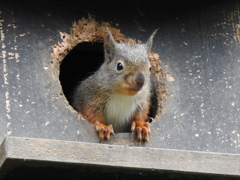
point(150, 68)
point(119, 66)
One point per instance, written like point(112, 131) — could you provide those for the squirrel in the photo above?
point(117, 97)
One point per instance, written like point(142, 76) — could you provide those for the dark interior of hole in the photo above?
point(154, 101)
point(82, 61)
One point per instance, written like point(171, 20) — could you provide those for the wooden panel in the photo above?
point(198, 43)
point(28, 152)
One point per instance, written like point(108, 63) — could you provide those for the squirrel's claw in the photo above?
point(142, 130)
point(104, 132)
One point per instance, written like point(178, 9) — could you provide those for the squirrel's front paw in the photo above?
point(104, 132)
point(142, 130)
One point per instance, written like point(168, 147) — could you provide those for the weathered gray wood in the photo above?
point(198, 43)
point(136, 158)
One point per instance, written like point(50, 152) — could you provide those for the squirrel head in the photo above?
point(128, 65)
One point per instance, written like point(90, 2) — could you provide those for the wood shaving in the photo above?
point(169, 77)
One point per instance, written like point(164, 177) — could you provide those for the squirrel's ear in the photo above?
point(109, 46)
point(150, 40)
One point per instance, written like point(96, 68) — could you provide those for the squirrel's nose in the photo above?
point(140, 79)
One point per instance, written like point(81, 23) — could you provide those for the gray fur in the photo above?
point(100, 87)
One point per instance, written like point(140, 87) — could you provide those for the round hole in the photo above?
point(74, 60)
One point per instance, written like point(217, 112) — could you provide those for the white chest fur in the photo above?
point(120, 109)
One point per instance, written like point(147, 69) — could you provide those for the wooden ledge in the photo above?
point(45, 152)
